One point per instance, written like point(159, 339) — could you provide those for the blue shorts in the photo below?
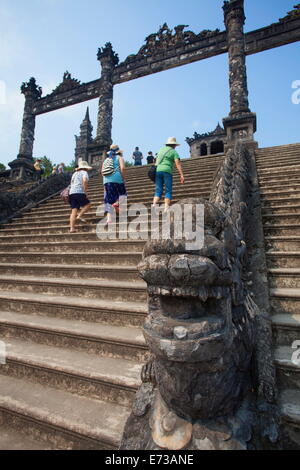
point(163, 179)
point(112, 193)
point(78, 200)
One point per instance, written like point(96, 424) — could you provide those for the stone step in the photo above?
point(63, 219)
point(134, 185)
point(288, 371)
point(46, 213)
point(286, 328)
point(281, 202)
point(13, 439)
point(285, 300)
point(60, 419)
point(79, 271)
point(290, 409)
point(92, 221)
point(287, 243)
point(278, 171)
point(292, 177)
point(83, 288)
point(80, 238)
point(96, 199)
point(285, 191)
point(281, 219)
point(292, 185)
point(280, 148)
point(137, 181)
point(284, 277)
point(269, 175)
point(74, 308)
point(90, 375)
point(284, 161)
point(281, 230)
point(274, 153)
point(282, 210)
point(195, 168)
point(106, 340)
point(97, 258)
point(280, 163)
point(129, 231)
point(62, 211)
point(283, 259)
point(83, 246)
point(134, 190)
point(191, 171)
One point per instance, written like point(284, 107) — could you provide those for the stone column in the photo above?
point(31, 93)
point(22, 166)
point(234, 21)
point(108, 59)
point(241, 123)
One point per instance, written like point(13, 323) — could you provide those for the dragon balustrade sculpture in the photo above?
point(210, 383)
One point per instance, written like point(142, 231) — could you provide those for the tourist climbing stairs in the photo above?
point(71, 311)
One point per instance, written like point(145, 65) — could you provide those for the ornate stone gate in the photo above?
point(163, 50)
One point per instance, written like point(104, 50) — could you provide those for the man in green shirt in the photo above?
point(166, 158)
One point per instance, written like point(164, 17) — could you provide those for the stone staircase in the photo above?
point(279, 178)
point(71, 308)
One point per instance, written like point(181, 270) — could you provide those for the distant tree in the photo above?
point(2, 167)
point(47, 165)
point(71, 167)
point(128, 163)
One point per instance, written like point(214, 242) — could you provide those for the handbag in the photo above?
point(65, 194)
point(152, 171)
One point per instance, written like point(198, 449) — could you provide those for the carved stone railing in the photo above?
point(210, 383)
point(14, 204)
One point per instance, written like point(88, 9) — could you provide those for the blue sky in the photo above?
point(44, 38)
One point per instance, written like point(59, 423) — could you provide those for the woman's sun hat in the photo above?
point(115, 149)
point(172, 141)
point(83, 165)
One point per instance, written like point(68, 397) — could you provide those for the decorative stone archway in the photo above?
point(163, 50)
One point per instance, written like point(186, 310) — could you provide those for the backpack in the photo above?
point(108, 167)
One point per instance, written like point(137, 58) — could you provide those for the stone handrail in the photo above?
point(14, 204)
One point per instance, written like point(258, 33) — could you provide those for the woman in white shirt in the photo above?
point(78, 194)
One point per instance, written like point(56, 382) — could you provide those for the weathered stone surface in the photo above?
point(204, 329)
point(234, 21)
point(109, 60)
point(13, 202)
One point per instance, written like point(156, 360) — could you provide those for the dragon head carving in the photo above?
point(198, 327)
